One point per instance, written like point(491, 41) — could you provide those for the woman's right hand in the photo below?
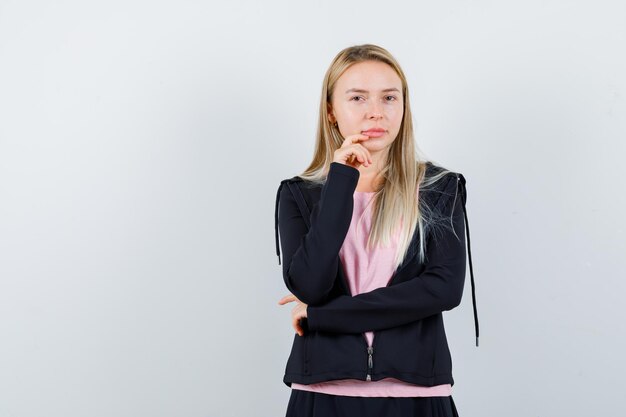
point(352, 153)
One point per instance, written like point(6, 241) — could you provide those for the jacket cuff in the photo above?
point(311, 319)
point(343, 169)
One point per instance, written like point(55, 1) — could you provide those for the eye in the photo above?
point(356, 97)
point(392, 98)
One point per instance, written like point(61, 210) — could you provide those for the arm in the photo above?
point(311, 258)
point(438, 288)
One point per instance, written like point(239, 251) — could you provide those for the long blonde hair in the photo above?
point(403, 173)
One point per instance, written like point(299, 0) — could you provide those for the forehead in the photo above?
point(369, 75)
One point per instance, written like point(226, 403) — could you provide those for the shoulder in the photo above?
point(309, 185)
point(296, 181)
point(291, 180)
point(441, 184)
point(439, 178)
point(446, 174)
point(297, 189)
point(334, 169)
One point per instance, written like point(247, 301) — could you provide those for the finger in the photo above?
point(299, 328)
point(354, 139)
point(363, 151)
point(361, 154)
point(366, 153)
point(296, 325)
point(353, 154)
point(287, 299)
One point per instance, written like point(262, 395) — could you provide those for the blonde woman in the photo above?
point(374, 251)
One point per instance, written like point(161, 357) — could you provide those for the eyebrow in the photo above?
point(358, 90)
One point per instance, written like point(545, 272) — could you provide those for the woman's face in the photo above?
point(368, 95)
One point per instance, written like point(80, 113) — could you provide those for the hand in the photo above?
point(298, 312)
point(352, 153)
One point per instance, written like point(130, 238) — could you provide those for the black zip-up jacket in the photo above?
point(410, 342)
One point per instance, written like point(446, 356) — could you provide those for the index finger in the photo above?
point(352, 139)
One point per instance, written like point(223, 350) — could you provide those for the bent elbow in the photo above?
point(453, 299)
point(309, 291)
point(312, 299)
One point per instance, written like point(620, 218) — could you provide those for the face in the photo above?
point(368, 95)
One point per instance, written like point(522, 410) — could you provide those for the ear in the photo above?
point(330, 115)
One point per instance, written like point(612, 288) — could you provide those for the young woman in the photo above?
point(373, 252)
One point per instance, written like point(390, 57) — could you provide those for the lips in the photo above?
point(374, 132)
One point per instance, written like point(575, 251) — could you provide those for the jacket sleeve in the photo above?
point(438, 288)
point(311, 258)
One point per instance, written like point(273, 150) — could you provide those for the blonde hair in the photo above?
point(403, 174)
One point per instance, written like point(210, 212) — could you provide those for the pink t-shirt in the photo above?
point(367, 270)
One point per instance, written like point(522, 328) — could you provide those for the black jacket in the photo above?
point(410, 341)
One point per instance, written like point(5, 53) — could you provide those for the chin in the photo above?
point(377, 144)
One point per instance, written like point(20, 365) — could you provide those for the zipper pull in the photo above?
point(370, 363)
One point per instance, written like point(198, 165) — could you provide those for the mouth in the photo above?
point(375, 132)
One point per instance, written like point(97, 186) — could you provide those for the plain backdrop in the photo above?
point(142, 144)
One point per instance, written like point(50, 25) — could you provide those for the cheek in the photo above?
point(396, 115)
point(352, 114)
point(350, 119)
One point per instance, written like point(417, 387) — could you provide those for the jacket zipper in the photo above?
point(370, 349)
point(370, 363)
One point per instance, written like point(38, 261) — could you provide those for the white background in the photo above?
point(142, 144)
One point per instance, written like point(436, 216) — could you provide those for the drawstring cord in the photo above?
point(276, 220)
point(461, 179)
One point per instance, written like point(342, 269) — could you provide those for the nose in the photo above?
point(374, 110)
